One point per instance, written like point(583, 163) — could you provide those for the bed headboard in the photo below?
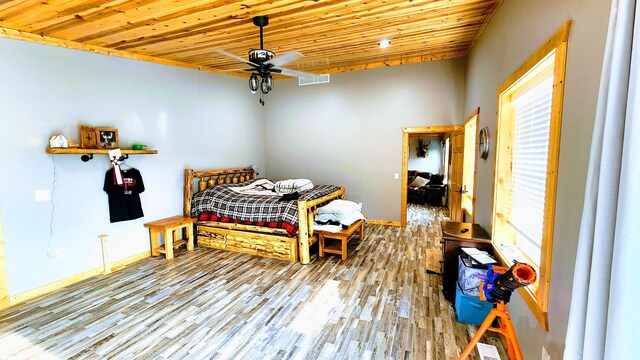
point(204, 179)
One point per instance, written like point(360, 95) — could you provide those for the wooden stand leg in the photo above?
point(320, 245)
point(344, 248)
point(189, 236)
point(168, 243)
point(176, 235)
point(362, 231)
point(155, 242)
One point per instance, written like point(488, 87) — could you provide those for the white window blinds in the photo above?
point(529, 166)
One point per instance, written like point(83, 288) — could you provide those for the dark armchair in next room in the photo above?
point(415, 182)
point(425, 188)
point(435, 190)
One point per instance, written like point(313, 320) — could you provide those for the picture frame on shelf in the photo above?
point(107, 138)
point(88, 138)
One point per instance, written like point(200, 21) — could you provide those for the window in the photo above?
point(527, 146)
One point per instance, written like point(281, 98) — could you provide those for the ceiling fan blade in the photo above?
point(294, 73)
point(222, 52)
point(285, 58)
point(242, 69)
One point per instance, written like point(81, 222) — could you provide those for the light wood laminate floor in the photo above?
point(378, 304)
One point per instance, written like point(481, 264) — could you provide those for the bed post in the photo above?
point(303, 233)
point(188, 191)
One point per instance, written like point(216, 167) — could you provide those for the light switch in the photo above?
point(396, 176)
point(43, 195)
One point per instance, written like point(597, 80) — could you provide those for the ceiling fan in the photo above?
point(264, 62)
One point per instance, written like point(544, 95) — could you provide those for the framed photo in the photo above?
point(107, 138)
point(88, 138)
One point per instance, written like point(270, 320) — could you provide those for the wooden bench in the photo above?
point(343, 236)
point(171, 228)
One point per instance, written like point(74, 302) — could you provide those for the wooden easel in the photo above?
point(506, 329)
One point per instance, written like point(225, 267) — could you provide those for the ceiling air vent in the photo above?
point(313, 80)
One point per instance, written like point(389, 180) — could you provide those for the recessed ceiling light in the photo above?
point(384, 43)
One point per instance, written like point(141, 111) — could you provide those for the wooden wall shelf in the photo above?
point(87, 154)
point(78, 151)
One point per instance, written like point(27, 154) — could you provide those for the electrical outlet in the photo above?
point(545, 354)
point(43, 195)
point(396, 176)
point(60, 253)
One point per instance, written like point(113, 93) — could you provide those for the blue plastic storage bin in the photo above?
point(470, 309)
point(469, 278)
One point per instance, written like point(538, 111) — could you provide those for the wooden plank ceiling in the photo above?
point(334, 36)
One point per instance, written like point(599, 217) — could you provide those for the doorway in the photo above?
point(407, 134)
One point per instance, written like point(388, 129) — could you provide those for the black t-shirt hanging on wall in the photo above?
point(124, 200)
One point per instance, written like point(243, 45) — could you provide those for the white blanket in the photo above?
point(327, 228)
point(258, 187)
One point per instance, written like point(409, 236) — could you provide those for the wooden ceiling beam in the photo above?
point(26, 36)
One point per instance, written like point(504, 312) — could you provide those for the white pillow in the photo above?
point(339, 207)
point(293, 185)
point(346, 218)
point(419, 182)
point(350, 218)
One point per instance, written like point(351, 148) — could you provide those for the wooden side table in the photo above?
point(456, 235)
point(171, 228)
point(343, 236)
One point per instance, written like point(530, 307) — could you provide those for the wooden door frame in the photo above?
point(475, 113)
point(406, 131)
point(5, 301)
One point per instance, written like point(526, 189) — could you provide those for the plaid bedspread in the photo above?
point(220, 199)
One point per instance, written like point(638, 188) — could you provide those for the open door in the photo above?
point(469, 166)
point(455, 186)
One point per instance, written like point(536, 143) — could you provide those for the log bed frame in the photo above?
point(250, 239)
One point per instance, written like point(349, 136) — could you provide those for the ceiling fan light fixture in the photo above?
point(267, 82)
point(384, 43)
point(253, 83)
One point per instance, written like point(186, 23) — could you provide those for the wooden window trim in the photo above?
point(536, 299)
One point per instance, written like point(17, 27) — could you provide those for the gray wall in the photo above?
point(516, 31)
point(348, 132)
point(193, 118)
point(432, 162)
